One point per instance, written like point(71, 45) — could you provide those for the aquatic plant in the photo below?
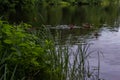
point(68, 63)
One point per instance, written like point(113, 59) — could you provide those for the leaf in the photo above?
point(23, 44)
point(19, 34)
point(34, 62)
point(7, 41)
point(7, 29)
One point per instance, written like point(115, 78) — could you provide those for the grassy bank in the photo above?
point(28, 53)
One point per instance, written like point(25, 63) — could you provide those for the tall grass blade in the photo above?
point(13, 74)
point(5, 72)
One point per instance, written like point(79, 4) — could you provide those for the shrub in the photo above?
point(21, 49)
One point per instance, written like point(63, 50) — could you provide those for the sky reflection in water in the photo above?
point(109, 44)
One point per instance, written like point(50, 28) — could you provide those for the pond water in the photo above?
point(103, 35)
point(108, 43)
point(97, 25)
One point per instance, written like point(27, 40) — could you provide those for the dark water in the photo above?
point(103, 35)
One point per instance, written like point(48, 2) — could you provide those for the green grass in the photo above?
point(28, 54)
point(67, 63)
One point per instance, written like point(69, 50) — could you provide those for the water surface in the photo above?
point(70, 21)
point(105, 22)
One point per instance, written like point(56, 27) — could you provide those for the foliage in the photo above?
point(16, 4)
point(20, 48)
point(27, 4)
point(78, 2)
point(30, 54)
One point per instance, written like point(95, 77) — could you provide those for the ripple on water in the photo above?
point(109, 44)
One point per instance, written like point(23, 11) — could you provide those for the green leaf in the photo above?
point(8, 41)
point(19, 34)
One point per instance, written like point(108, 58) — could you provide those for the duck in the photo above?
point(96, 34)
point(86, 25)
point(71, 26)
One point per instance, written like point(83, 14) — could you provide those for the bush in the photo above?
point(21, 49)
point(5, 5)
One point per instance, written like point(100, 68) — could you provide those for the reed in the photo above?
point(67, 63)
point(35, 55)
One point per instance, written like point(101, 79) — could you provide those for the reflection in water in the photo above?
point(79, 15)
point(109, 44)
point(104, 35)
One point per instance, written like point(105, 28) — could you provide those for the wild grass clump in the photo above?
point(68, 63)
point(27, 54)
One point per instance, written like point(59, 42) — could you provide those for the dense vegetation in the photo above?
point(16, 4)
point(32, 55)
point(17, 11)
point(23, 4)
